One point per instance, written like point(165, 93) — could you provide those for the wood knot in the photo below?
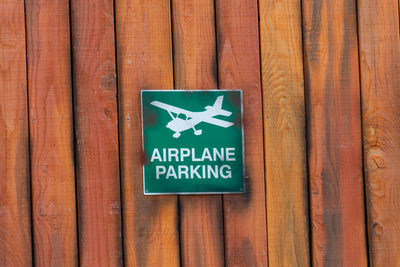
point(108, 82)
point(107, 112)
point(377, 229)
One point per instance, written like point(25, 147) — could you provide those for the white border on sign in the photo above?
point(243, 146)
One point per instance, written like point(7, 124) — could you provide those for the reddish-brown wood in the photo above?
point(380, 83)
point(334, 136)
point(284, 132)
point(15, 227)
point(144, 53)
point(215, 45)
point(239, 67)
point(195, 67)
point(96, 126)
point(51, 134)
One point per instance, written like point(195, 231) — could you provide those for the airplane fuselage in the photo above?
point(179, 125)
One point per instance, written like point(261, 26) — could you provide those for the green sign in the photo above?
point(192, 142)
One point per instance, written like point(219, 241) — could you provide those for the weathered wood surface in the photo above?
point(258, 46)
point(51, 133)
point(195, 67)
point(380, 83)
point(334, 133)
point(15, 220)
point(284, 132)
point(239, 67)
point(96, 128)
point(144, 53)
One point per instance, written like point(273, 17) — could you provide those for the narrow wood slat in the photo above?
point(334, 133)
point(15, 221)
point(96, 126)
point(284, 132)
point(51, 133)
point(380, 80)
point(239, 68)
point(144, 53)
point(195, 67)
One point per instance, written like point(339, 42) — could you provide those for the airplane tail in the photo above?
point(217, 106)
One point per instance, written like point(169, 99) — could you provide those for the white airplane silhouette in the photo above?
point(179, 125)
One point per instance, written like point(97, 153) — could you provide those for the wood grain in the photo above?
point(195, 67)
point(96, 126)
point(15, 219)
point(239, 67)
point(284, 132)
point(334, 136)
point(380, 79)
point(51, 134)
point(144, 53)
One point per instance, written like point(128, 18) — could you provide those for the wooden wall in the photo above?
point(321, 85)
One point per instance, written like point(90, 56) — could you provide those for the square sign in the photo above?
point(192, 142)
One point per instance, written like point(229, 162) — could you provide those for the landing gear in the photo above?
point(176, 135)
point(197, 132)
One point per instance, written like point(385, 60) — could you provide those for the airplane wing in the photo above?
point(217, 122)
point(172, 108)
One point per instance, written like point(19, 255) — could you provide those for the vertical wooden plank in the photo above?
point(51, 134)
point(284, 132)
point(15, 227)
point(380, 84)
point(195, 67)
point(334, 133)
point(96, 119)
point(239, 67)
point(144, 53)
